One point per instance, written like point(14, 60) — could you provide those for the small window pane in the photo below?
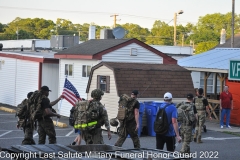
point(84, 71)
point(70, 69)
point(103, 83)
point(88, 70)
point(66, 69)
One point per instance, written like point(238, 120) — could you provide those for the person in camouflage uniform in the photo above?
point(130, 126)
point(45, 124)
point(96, 112)
point(186, 125)
point(201, 104)
point(27, 129)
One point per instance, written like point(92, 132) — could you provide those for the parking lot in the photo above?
point(218, 145)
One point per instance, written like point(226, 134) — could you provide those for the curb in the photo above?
point(7, 109)
point(60, 124)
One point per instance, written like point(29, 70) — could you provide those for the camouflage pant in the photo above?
point(200, 122)
point(28, 136)
point(186, 132)
point(93, 136)
point(128, 129)
point(46, 127)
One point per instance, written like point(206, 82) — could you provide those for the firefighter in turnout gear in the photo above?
point(90, 116)
point(128, 116)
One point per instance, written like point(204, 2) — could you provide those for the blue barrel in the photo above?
point(150, 111)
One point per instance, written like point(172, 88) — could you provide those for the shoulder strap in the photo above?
point(167, 105)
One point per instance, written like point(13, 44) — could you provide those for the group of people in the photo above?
point(43, 123)
point(90, 128)
point(199, 107)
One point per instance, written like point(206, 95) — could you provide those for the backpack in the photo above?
point(35, 107)
point(71, 117)
point(21, 109)
point(22, 113)
point(161, 124)
point(199, 103)
point(80, 115)
point(186, 113)
point(125, 107)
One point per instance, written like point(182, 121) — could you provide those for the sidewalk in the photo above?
point(215, 126)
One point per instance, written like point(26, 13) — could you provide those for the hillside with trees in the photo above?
point(205, 34)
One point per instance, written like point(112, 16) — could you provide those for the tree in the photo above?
point(161, 34)
point(205, 46)
point(135, 31)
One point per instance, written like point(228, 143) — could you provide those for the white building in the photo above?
point(23, 72)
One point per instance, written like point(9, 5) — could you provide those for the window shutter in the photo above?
point(98, 82)
point(107, 84)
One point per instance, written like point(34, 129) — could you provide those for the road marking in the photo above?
point(35, 137)
point(36, 134)
point(9, 122)
point(5, 133)
point(220, 139)
point(70, 133)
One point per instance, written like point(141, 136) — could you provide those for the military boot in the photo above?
point(199, 139)
point(195, 136)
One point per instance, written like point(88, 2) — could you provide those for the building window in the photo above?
point(210, 83)
point(68, 69)
point(103, 83)
point(86, 70)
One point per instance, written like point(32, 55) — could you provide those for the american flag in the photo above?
point(70, 93)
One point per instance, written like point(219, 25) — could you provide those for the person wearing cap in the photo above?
point(45, 124)
point(202, 107)
point(186, 124)
point(131, 125)
point(169, 137)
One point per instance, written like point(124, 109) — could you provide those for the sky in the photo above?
point(141, 12)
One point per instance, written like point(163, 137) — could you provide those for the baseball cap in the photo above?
point(167, 95)
point(45, 88)
point(135, 92)
point(190, 95)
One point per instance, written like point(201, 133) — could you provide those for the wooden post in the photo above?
point(207, 74)
point(222, 77)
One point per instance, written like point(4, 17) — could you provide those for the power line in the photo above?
point(85, 12)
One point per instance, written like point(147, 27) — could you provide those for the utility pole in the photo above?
point(114, 19)
point(233, 14)
point(182, 40)
point(175, 29)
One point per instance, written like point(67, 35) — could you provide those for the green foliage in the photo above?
point(205, 46)
point(205, 34)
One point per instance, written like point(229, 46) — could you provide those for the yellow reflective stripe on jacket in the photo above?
point(85, 125)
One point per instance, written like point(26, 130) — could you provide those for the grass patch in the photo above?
point(232, 133)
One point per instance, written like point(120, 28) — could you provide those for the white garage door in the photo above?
point(26, 79)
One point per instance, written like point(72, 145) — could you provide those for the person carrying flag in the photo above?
point(45, 123)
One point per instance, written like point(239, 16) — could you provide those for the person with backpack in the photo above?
point(41, 111)
point(23, 115)
point(187, 114)
point(129, 119)
point(90, 117)
point(166, 124)
point(202, 107)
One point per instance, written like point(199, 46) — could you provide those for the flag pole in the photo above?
point(60, 106)
point(59, 112)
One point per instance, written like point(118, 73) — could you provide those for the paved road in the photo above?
point(217, 145)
